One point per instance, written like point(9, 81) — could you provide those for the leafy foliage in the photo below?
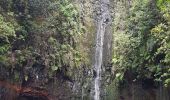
point(39, 33)
point(142, 47)
point(7, 35)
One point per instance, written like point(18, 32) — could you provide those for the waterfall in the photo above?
point(103, 18)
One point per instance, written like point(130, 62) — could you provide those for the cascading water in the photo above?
point(103, 18)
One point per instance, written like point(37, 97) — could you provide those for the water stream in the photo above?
point(103, 18)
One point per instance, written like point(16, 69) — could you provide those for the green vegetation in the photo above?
point(142, 46)
point(39, 32)
point(53, 36)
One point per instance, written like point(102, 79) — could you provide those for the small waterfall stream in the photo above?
point(103, 18)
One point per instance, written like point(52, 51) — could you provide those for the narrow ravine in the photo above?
point(102, 21)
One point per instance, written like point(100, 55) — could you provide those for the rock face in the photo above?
point(70, 83)
point(93, 74)
point(97, 20)
point(103, 20)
